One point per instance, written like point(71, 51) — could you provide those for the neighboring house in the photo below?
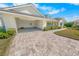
point(24, 16)
point(76, 22)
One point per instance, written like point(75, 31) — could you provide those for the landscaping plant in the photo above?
point(69, 24)
point(75, 27)
point(4, 35)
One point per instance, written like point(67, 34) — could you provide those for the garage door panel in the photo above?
point(25, 23)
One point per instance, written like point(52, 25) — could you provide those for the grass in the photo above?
point(70, 33)
point(4, 43)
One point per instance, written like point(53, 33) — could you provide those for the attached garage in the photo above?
point(23, 21)
point(23, 24)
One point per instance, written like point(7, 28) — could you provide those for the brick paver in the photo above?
point(39, 43)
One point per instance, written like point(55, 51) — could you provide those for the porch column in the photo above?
point(9, 22)
point(44, 24)
point(61, 23)
point(41, 24)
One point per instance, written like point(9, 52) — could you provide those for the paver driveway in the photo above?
point(42, 43)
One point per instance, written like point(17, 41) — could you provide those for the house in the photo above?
point(76, 22)
point(23, 16)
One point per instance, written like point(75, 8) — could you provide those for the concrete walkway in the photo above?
point(56, 30)
point(42, 43)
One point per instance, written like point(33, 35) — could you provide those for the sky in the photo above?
point(69, 11)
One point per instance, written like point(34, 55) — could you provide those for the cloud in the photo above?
point(75, 4)
point(3, 5)
point(45, 8)
point(56, 11)
point(42, 7)
point(49, 9)
point(75, 17)
point(63, 9)
point(36, 5)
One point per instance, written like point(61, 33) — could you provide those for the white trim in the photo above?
point(24, 5)
point(19, 15)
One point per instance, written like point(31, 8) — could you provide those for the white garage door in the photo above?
point(25, 24)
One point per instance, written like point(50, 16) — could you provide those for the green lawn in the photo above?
point(70, 33)
point(4, 43)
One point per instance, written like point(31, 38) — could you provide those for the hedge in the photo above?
point(51, 28)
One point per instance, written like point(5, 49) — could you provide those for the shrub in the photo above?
point(69, 24)
point(11, 31)
point(4, 35)
point(56, 27)
point(47, 28)
point(51, 28)
point(7, 34)
point(75, 27)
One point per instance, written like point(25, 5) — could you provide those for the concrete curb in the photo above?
point(59, 29)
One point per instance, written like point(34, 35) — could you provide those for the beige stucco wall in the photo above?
point(9, 21)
